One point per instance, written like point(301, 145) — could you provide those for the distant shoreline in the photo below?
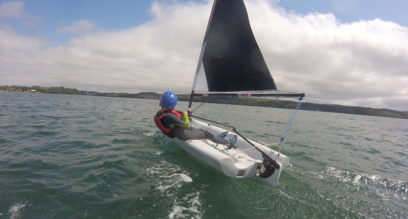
point(236, 101)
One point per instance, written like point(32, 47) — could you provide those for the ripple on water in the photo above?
point(34, 165)
point(44, 133)
point(379, 191)
point(124, 141)
point(171, 181)
point(3, 141)
point(16, 210)
point(73, 146)
point(372, 151)
point(347, 144)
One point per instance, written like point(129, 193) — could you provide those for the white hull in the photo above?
point(240, 162)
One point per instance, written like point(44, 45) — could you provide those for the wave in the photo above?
point(366, 194)
point(15, 211)
point(171, 182)
point(361, 179)
point(191, 211)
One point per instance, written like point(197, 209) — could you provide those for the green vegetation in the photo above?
point(224, 100)
point(38, 89)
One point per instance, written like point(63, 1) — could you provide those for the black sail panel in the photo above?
point(232, 59)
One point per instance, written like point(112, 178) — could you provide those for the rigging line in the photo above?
point(243, 157)
point(290, 122)
point(221, 112)
point(208, 120)
point(264, 155)
point(202, 103)
point(237, 155)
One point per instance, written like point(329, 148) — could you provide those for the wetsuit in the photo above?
point(181, 128)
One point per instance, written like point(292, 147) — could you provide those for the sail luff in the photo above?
point(200, 59)
point(199, 66)
point(196, 77)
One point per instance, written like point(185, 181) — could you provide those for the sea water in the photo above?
point(66, 156)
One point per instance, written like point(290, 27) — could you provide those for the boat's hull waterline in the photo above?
point(243, 161)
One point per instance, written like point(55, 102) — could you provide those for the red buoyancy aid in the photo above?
point(158, 120)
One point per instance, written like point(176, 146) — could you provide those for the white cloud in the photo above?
point(12, 9)
point(81, 26)
point(15, 46)
point(361, 63)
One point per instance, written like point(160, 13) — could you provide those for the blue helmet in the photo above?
point(169, 100)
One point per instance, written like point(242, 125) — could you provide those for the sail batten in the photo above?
point(230, 59)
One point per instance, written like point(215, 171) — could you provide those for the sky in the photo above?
point(351, 52)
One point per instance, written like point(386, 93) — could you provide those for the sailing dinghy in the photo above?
point(231, 64)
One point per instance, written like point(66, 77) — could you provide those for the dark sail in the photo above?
point(231, 58)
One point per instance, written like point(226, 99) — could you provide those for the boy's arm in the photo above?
point(184, 116)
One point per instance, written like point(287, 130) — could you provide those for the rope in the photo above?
point(265, 156)
point(221, 112)
point(202, 103)
point(290, 123)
